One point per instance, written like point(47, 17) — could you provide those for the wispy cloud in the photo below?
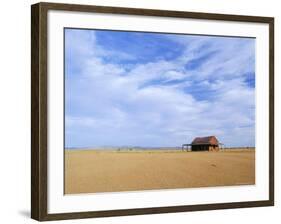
point(142, 89)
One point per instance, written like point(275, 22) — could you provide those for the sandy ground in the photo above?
point(88, 171)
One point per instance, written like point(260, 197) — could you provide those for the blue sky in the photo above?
point(157, 90)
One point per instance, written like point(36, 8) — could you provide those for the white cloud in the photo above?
point(121, 107)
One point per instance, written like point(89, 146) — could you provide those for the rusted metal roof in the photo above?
point(208, 140)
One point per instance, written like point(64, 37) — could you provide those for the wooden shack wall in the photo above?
point(204, 148)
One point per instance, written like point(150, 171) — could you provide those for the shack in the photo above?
point(208, 143)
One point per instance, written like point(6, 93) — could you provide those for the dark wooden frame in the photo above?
point(39, 110)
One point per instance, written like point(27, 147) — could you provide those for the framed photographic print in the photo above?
point(140, 111)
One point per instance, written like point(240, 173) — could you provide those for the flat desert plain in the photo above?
point(90, 171)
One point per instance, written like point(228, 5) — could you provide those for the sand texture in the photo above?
point(89, 171)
